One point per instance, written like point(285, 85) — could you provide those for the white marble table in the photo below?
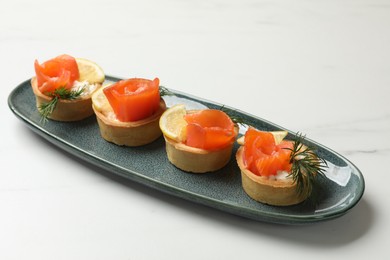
point(319, 67)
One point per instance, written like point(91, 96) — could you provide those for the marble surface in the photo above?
point(319, 67)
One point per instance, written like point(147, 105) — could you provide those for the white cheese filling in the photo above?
point(280, 175)
point(88, 87)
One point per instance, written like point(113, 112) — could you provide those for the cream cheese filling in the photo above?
point(88, 87)
point(280, 175)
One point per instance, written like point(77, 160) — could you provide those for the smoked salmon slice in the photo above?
point(134, 99)
point(209, 129)
point(55, 73)
point(263, 156)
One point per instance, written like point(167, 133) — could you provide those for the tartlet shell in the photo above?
point(196, 160)
point(135, 133)
point(65, 110)
point(275, 192)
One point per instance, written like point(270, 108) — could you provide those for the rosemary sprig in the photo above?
point(46, 109)
point(165, 92)
point(307, 167)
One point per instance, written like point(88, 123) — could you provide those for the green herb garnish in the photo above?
point(165, 92)
point(307, 167)
point(46, 109)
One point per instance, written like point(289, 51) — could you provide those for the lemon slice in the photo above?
point(278, 136)
point(100, 101)
point(241, 140)
point(90, 71)
point(173, 124)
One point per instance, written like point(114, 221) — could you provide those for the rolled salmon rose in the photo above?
point(134, 99)
point(209, 129)
point(62, 71)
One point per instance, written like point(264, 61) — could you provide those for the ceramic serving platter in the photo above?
point(340, 191)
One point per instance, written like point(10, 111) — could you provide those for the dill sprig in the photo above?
point(165, 92)
point(307, 167)
point(46, 109)
point(234, 117)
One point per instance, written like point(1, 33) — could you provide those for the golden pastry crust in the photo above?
point(277, 192)
point(66, 110)
point(130, 133)
point(196, 160)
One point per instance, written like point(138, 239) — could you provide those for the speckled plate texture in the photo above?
point(340, 191)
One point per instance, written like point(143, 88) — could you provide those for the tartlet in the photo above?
point(272, 191)
point(278, 190)
point(71, 109)
point(127, 133)
point(195, 159)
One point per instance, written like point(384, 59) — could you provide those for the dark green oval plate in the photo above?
point(340, 191)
